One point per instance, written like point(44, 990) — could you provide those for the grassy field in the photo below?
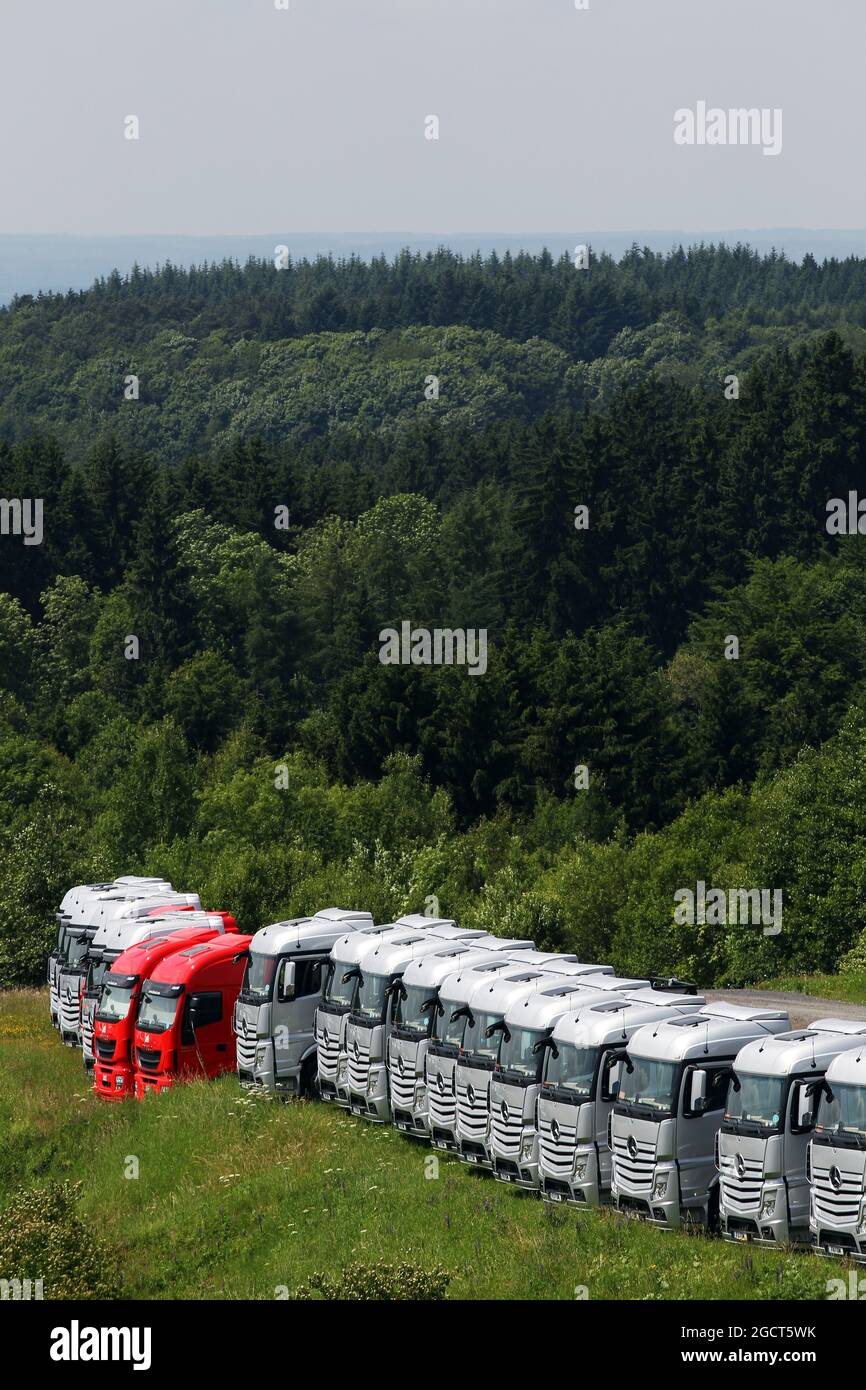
point(237, 1196)
point(851, 988)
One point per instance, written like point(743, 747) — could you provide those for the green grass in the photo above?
point(237, 1196)
point(851, 988)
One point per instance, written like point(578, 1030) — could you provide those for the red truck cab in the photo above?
point(120, 991)
point(184, 1024)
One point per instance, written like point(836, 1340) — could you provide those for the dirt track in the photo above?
point(803, 1008)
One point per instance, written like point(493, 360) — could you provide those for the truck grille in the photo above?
point(835, 1203)
point(70, 1008)
point(105, 1049)
point(148, 1061)
point(328, 1048)
point(472, 1113)
point(506, 1129)
point(742, 1193)
point(555, 1155)
point(358, 1049)
point(635, 1172)
point(441, 1101)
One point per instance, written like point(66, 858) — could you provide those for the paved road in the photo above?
point(803, 1008)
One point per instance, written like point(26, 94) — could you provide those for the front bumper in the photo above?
point(836, 1242)
point(115, 1081)
point(145, 1083)
point(373, 1102)
point(759, 1224)
point(581, 1189)
point(475, 1152)
point(664, 1210)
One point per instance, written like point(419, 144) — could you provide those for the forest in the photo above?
point(253, 471)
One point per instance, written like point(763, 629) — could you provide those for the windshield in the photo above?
point(75, 950)
point(114, 1001)
point(474, 1040)
point(408, 1011)
point(573, 1069)
point(259, 976)
point(516, 1052)
point(758, 1101)
point(845, 1113)
point(335, 992)
point(650, 1084)
point(444, 1031)
point(371, 996)
point(156, 1011)
point(96, 974)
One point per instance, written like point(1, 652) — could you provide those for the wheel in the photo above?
point(309, 1083)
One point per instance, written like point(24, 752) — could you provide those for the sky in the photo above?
point(255, 119)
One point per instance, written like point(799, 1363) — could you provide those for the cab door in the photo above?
point(297, 992)
point(204, 1043)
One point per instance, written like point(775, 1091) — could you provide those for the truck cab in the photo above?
point(275, 1013)
point(763, 1142)
point(94, 913)
point(484, 1015)
point(184, 1025)
point(516, 1082)
point(70, 911)
point(580, 1083)
point(837, 1160)
point(141, 919)
point(671, 1102)
point(415, 1011)
point(368, 1027)
point(114, 1021)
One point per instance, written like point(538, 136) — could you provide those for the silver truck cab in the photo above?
point(762, 1147)
point(516, 1082)
point(837, 1160)
point(415, 1010)
point(274, 1016)
point(670, 1104)
point(70, 911)
point(339, 987)
point(368, 1028)
point(580, 1082)
point(115, 937)
point(80, 931)
point(479, 1050)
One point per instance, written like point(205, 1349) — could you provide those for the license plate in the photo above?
point(356, 1110)
point(837, 1250)
point(509, 1177)
point(440, 1144)
point(555, 1196)
point(471, 1158)
point(402, 1125)
point(741, 1235)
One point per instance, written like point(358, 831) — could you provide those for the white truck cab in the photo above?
point(580, 1082)
point(515, 1086)
point(837, 1159)
point(670, 1104)
point(80, 931)
point(368, 1028)
point(763, 1142)
point(274, 1016)
point(70, 911)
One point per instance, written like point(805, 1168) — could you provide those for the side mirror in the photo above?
point(698, 1097)
point(286, 982)
point(804, 1113)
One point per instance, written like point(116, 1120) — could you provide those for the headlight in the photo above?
point(660, 1185)
point(420, 1097)
point(581, 1163)
point(768, 1203)
point(342, 1069)
point(861, 1224)
point(261, 1056)
point(371, 1082)
point(526, 1148)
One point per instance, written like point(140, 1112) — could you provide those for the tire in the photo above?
point(309, 1083)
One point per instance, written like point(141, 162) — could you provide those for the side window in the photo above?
point(717, 1087)
point(209, 1009)
point(308, 977)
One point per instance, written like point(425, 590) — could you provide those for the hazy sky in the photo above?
point(255, 119)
